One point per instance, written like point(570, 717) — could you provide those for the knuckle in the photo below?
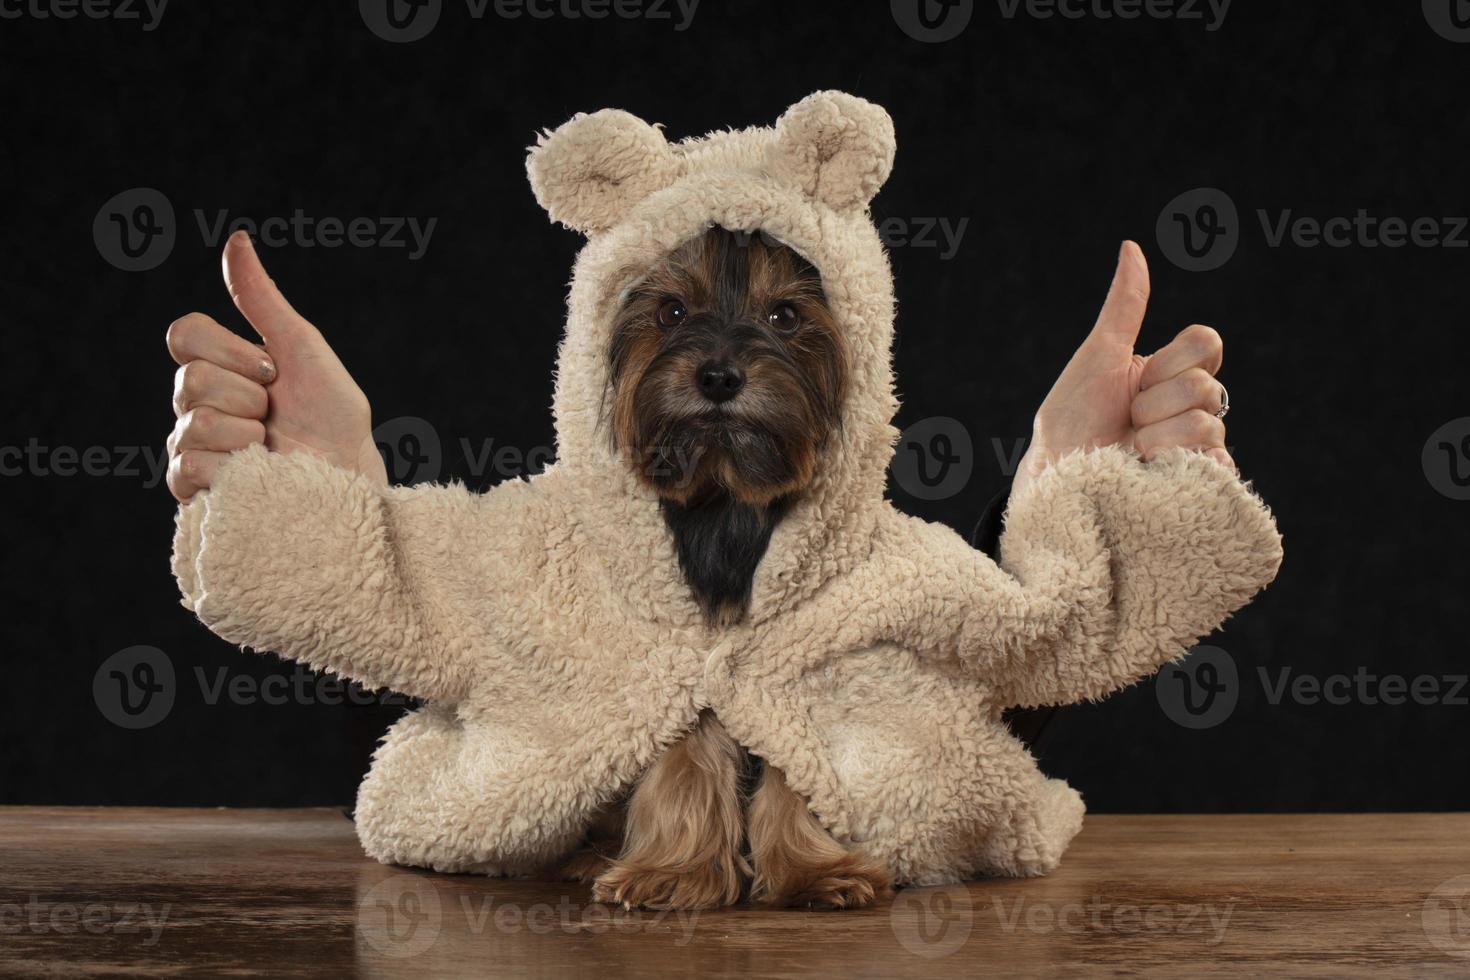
point(1201, 424)
point(201, 422)
point(190, 380)
point(1201, 386)
point(260, 403)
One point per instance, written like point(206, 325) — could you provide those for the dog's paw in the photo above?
point(581, 865)
point(854, 882)
point(654, 888)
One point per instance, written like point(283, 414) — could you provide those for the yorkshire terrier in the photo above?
point(727, 361)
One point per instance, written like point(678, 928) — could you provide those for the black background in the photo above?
point(1056, 138)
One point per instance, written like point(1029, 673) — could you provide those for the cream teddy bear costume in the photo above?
point(559, 650)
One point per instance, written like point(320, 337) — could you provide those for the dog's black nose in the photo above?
point(719, 381)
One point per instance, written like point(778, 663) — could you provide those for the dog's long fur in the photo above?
point(726, 472)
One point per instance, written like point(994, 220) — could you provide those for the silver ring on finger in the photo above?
point(1224, 402)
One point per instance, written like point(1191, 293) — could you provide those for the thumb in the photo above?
point(255, 295)
point(1122, 314)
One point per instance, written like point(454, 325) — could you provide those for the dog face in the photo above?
point(727, 371)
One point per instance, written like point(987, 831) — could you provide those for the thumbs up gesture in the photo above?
point(1110, 395)
point(291, 393)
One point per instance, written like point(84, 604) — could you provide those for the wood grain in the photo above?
point(149, 891)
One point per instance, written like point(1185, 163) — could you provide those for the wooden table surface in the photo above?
point(289, 892)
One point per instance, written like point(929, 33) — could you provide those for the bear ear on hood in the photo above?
point(836, 147)
point(594, 168)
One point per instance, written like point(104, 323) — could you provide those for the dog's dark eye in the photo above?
point(671, 313)
point(785, 318)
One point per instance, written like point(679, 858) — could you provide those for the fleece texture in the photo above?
point(547, 626)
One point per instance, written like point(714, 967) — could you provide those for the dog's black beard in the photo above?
point(720, 542)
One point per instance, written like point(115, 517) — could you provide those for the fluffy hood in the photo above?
point(807, 182)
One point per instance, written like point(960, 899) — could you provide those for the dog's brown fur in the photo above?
point(726, 473)
point(682, 848)
point(764, 444)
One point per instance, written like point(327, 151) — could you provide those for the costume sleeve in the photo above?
point(290, 554)
point(1110, 568)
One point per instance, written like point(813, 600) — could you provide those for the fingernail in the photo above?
point(267, 370)
point(242, 237)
